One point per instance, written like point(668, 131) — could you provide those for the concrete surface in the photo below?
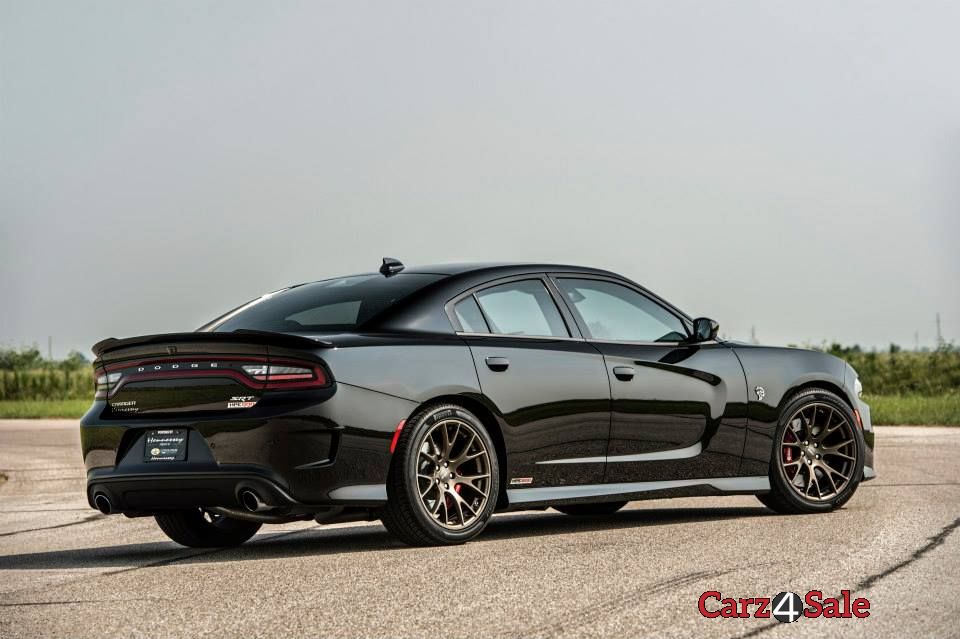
point(67, 571)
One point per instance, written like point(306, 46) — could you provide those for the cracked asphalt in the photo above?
point(67, 571)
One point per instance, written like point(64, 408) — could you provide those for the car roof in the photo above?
point(492, 268)
point(424, 310)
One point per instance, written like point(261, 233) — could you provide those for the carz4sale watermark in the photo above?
point(786, 606)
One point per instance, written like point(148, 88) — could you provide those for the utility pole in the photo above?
point(50, 347)
point(939, 334)
point(753, 335)
point(916, 341)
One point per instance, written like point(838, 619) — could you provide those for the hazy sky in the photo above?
point(789, 166)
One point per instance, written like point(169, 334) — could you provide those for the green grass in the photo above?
point(884, 409)
point(915, 409)
point(31, 409)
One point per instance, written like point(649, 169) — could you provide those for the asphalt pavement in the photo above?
point(68, 571)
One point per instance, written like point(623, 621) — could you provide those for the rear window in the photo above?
point(331, 305)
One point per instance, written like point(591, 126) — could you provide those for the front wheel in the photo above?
point(203, 529)
point(444, 480)
point(817, 459)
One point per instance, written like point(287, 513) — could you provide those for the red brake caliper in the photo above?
point(788, 450)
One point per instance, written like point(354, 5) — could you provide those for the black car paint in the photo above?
point(559, 414)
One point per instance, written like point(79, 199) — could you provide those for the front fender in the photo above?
point(773, 375)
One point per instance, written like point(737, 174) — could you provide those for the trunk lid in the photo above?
point(201, 373)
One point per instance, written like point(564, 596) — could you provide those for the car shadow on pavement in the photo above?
point(364, 538)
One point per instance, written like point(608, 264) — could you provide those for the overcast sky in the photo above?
point(789, 166)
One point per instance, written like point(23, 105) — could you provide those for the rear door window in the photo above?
point(524, 307)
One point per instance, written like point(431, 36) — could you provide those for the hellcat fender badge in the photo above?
point(760, 392)
point(521, 481)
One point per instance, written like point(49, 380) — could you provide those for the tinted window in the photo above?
point(470, 317)
point(522, 308)
point(614, 312)
point(331, 305)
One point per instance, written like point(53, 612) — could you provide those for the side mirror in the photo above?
point(704, 330)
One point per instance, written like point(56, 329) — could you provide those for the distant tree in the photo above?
point(75, 361)
point(20, 359)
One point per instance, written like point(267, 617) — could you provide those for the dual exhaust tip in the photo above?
point(250, 500)
point(102, 502)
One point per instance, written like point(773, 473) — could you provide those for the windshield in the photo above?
point(340, 304)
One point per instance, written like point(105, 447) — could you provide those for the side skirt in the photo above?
point(521, 497)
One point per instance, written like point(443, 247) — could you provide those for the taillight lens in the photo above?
point(280, 375)
point(283, 375)
point(105, 384)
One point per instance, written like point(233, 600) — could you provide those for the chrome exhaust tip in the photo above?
point(102, 502)
point(252, 502)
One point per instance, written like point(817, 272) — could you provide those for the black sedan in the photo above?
point(431, 398)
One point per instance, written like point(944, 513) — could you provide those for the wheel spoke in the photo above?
point(469, 481)
point(832, 483)
point(429, 487)
point(461, 503)
point(836, 449)
point(462, 457)
point(816, 482)
point(834, 453)
point(445, 453)
point(826, 430)
point(811, 421)
point(837, 472)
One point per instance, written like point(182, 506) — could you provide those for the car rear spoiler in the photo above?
point(241, 336)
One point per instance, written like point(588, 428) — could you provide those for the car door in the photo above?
point(547, 387)
point(678, 408)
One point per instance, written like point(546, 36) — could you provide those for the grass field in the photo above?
point(943, 410)
point(20, 409)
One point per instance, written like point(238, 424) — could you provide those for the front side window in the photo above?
point(615, 312)
point(521, 308)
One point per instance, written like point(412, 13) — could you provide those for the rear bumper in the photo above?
point(149, 492)
point(335, 453)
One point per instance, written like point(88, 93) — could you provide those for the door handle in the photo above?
point(498, 364)
point(623, 373)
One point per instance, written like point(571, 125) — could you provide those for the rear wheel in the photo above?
point(817, 460)
point(199, 528)
point(444, 480)
point(591, 510)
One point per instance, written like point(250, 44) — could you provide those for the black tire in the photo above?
point(591, 510)
point(783, 498)
point(406, 515)
point(199, 529)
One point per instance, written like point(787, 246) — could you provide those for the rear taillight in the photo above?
point(258, 375)
point(286, 375)
point(105, 384)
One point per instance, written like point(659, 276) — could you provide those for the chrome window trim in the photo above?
point(548, 338)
